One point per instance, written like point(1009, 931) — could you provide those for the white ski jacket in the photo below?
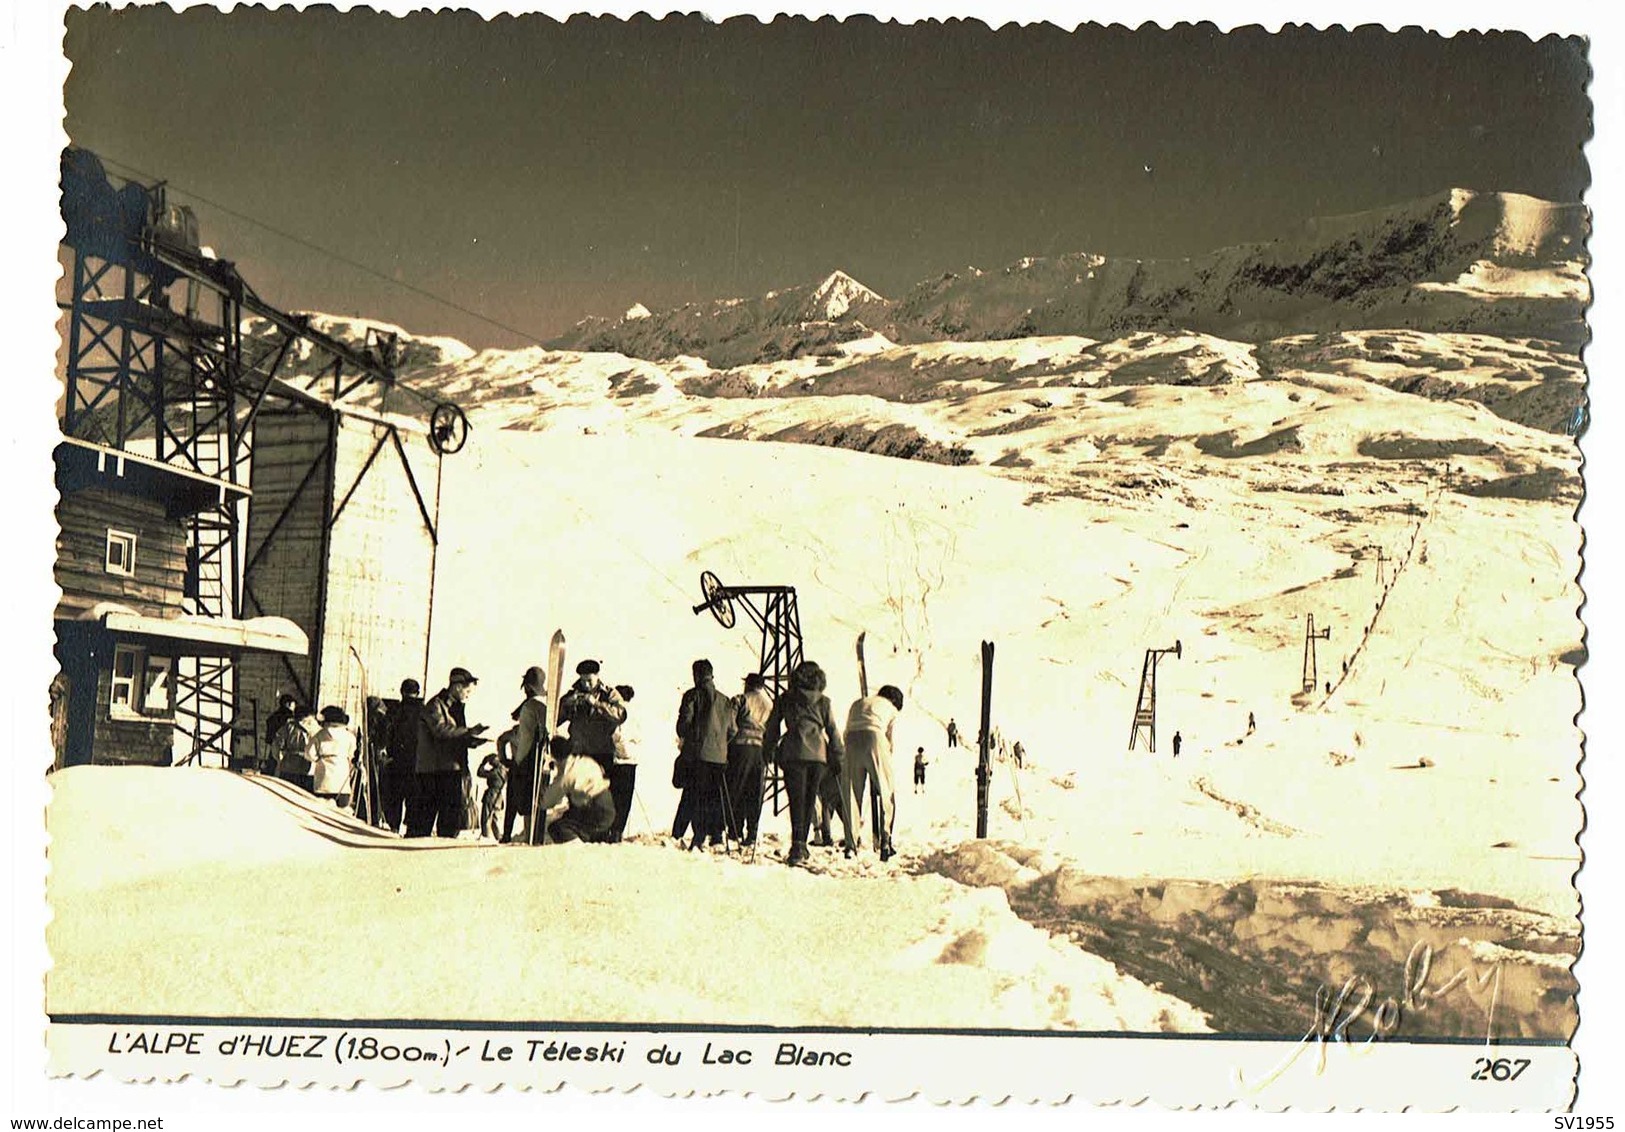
point(332, 755)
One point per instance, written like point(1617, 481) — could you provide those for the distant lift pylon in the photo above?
point(1145, 708)
point(1311, 669)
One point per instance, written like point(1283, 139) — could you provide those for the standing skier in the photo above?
point(332, 751)
point(802, 735)
point(444, 740)
point(745, 758)
point(705, 725)
point(1179, 741)
point(273, 724)
point(593, 710)
point(623, 772)
point(869, 726)
point(529, 749)
point(953, 734)
point(919, 770)
point(400, 739)
point(291, 748)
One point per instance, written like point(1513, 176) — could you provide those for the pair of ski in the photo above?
point(536, 819)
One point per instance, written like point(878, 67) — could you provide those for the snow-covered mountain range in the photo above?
point(1459, 261)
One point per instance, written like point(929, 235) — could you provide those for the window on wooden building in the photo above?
point(143, 685)
point(120, 552)
point(126, 675)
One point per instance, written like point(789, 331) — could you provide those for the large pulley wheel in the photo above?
point(448, 429)
point(718, 599)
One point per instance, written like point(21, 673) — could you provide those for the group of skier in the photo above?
point(823, 766)
point(419, 780)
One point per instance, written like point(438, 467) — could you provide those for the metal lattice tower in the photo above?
point(1311, 670)
point(777, 617)
point(146, 377)
point(159, 364)
point(1145, 707)
point(780, 623)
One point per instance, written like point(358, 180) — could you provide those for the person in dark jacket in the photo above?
point(530, 750)
point(593, 710)
point(273, 724)
point(396, 780)
point(705, 724)
point(444, 740)
point(292, 748)
point(806, 742)
point(751, 710)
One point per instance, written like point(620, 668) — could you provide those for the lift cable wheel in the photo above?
point(448, 429)
point(717, 599)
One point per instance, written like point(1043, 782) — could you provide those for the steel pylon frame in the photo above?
point(779, 620)
point(1145, 706)
point(156, 357)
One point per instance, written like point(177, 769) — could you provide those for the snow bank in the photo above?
point(192, 892)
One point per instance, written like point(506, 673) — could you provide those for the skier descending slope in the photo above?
point(869, 726)
point(804, 740)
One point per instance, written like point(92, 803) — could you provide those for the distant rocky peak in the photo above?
point(838, 294)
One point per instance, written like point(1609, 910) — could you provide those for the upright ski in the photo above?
point(863, 669)
point(365, 774)
point(984, 759)
point(536, 824)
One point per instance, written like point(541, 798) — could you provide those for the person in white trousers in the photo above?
point(868, 745)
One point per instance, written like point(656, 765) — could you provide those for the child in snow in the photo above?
point(494, 773)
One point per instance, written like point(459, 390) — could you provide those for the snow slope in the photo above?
point(219, 903)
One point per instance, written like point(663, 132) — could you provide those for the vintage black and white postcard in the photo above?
point(816, 557)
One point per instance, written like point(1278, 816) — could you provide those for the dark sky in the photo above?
point(537, 172)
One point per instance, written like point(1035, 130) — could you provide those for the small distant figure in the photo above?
point(1328, 687)
point(494, 773)
point(919, 770)
point(953, 734)
point(1345, 666)
point(1252, 723)
point(1179, 742)
point(1019, 753)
